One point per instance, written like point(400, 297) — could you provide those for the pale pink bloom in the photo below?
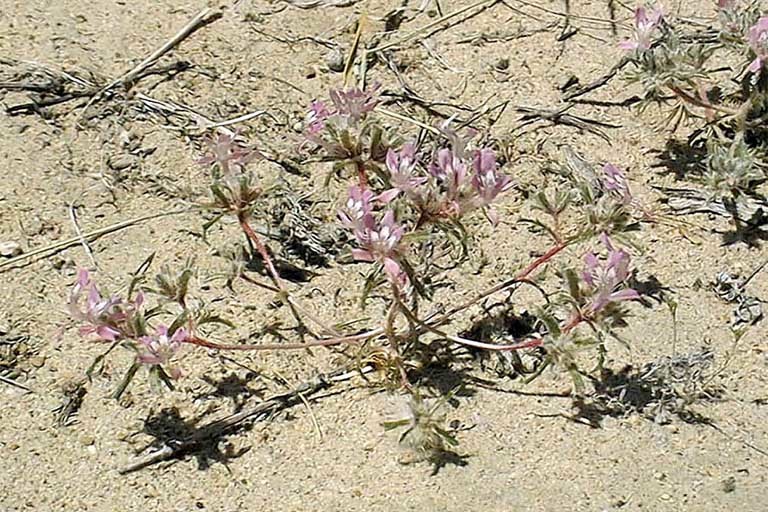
point(451, 170)
point(401, 166)
point(159, 348)
point(358, 211)
point(605, 280)
point(378, 240)
point(614, 181)
point(645, 24)
point(354, 103)
point(487, 181)
point(225, 150)
point(758, 41)
point(106, 318)
point(458, 142)
point(726, 5)
point(318, 113)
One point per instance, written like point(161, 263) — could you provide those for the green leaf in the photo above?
point(127, 378)
point(138, 276)
point(99, 359)
point(393, 424)
point(447, 436)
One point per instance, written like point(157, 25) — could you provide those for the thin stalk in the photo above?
point(519, 277)
point(362, 177)
point(693, 100)
point(293, 304)
point(466, 341)
point(326, 342)
point(242, 218)
point(392, 336)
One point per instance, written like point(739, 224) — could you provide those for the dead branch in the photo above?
point(262, 410)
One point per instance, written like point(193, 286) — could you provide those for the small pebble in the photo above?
point(86, 440)
point(10, 249)
point(335, 60)
point(502, 64)
point(37, 361)
point(121, 162)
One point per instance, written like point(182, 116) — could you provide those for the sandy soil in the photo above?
point(521, 448)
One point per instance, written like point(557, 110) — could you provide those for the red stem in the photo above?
point(251, 234)
point(540, 261)
point(361, 176)
point(356, 338)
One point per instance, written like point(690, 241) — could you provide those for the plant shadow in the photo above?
point(649, 288)
point(446, 458)
point(234, 387)
point(750, 233)
point(660, 391)
point(682, 159)
point(168, 428)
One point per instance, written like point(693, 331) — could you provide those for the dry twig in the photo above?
point(262, 410)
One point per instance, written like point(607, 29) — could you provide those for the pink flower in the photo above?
point(451, 170)
point(486, 180)
point(458, 142)
point(401, 166)
point(605, 279)
point(645, 24)
point(335, 128)
point(318, 113)
point(106, 318)
point(225, 150)
point(354, 103)
point(358, 211)
point(159, 349)
point(614, 181)
point(758, 41)
point(726, 5)
point(380, 241)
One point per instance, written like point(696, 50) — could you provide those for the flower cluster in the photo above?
point(457, 182)
point(341, 128)
point(378, 236)
point(160, 348)
point(606, 200)
point(227, 153)
point(645, 24)
point(605, 280)
point(106, 319)
point(233, 187)
point(758, 42)
point(116, 319)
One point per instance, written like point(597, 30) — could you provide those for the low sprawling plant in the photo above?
point(412, 214)
point(716, 78)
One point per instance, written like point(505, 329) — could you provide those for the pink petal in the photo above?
point(392, 268)
point(493, 216)
point(629, 45)
point(148, 358)
point(388, 195)
point(628, 294)
point(180, 336)
point(362, 255)
point(83, 277)
point(392, 161)
point(107, 333)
